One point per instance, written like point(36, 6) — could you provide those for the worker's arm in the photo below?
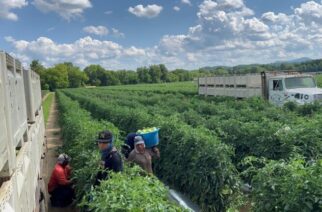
point(154, 152)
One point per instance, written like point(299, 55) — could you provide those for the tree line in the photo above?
point(67, 75)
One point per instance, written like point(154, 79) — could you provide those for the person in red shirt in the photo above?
point(60, 186)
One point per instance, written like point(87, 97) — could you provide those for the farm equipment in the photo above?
point(21, 137)
point(276, 87)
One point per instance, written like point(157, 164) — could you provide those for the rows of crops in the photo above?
point(216, 144)
point(131, 190)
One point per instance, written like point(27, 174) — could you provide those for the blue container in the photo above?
point(151, 138)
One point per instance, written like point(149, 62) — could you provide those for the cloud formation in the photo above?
point(66, 9)
point(186, 2)
point(176, 8)
point(7, 5)
point(96, 30)
point(82, 52)
point(226, 32)
point(150, 11)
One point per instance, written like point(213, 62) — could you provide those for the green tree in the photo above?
point(111, 78)
point(57, 77)
point(155, 73)
point(172, 77)
point(127, 77)
point(164, 73)
point(96, 75)
point(76, 77)
point(143, 75)
point(37, 67)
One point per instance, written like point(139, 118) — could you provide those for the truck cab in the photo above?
point(298, 88)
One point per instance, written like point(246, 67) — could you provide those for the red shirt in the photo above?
point(59, 176)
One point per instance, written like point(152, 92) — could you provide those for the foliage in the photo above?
point(213, 135)
point(76, 77)
point(205, 174)
point(132, 190)
point(130, 187)
point(288, 186)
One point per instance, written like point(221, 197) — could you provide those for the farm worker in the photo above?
point(128, 145)
point(110, 158)
point(60, 186)
point(142, 156)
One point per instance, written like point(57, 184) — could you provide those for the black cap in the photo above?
point(105, 137)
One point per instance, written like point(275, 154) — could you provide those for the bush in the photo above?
point(129, 190)
point(288, 186)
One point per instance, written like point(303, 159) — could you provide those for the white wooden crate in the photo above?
point(15, 97)
point(32, 93)
point(18, 193)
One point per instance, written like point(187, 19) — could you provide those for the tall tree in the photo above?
point(37, 67)
point(143, 75)
point(96, 75)
point(164, 73)
point(155, 73)
point(76, 77)
point(57, 77)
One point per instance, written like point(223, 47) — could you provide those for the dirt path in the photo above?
point(54, 140)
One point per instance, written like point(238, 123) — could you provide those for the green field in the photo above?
point(211, 146)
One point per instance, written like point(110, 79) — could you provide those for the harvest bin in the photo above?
point(151, 138)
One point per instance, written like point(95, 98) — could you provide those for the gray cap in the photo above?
point(138, 140)
point(63, 158)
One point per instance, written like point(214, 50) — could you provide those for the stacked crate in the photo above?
point(33, 94)
point(21, 136)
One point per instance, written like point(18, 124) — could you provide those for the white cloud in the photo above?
point(102, 30)
point(68, 9)
point(7, 5)
point(186, 2)
point(150, 11)
point(82, 52)
point(310, 12)
point(117, 33)
point(133, 51)
point(226, 33)
point(176, 8)
point(96, 30)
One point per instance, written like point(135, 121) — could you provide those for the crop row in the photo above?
point(253, 128)
point(193, 160)
point(131, 190)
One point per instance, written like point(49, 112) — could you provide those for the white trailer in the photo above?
point(277, 87)
point(21, 137)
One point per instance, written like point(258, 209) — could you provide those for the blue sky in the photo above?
point(179, 33)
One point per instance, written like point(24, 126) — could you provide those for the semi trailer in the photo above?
point(276, 87)
point(22, 138)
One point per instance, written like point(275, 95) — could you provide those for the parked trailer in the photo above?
point(21, 138)
point(277, 87)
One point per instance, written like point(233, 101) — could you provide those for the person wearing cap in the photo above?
point(60, 186)
point(142, 156)
point(110, 158)
point(128, 145)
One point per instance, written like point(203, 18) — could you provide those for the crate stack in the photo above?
point(21, 137)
